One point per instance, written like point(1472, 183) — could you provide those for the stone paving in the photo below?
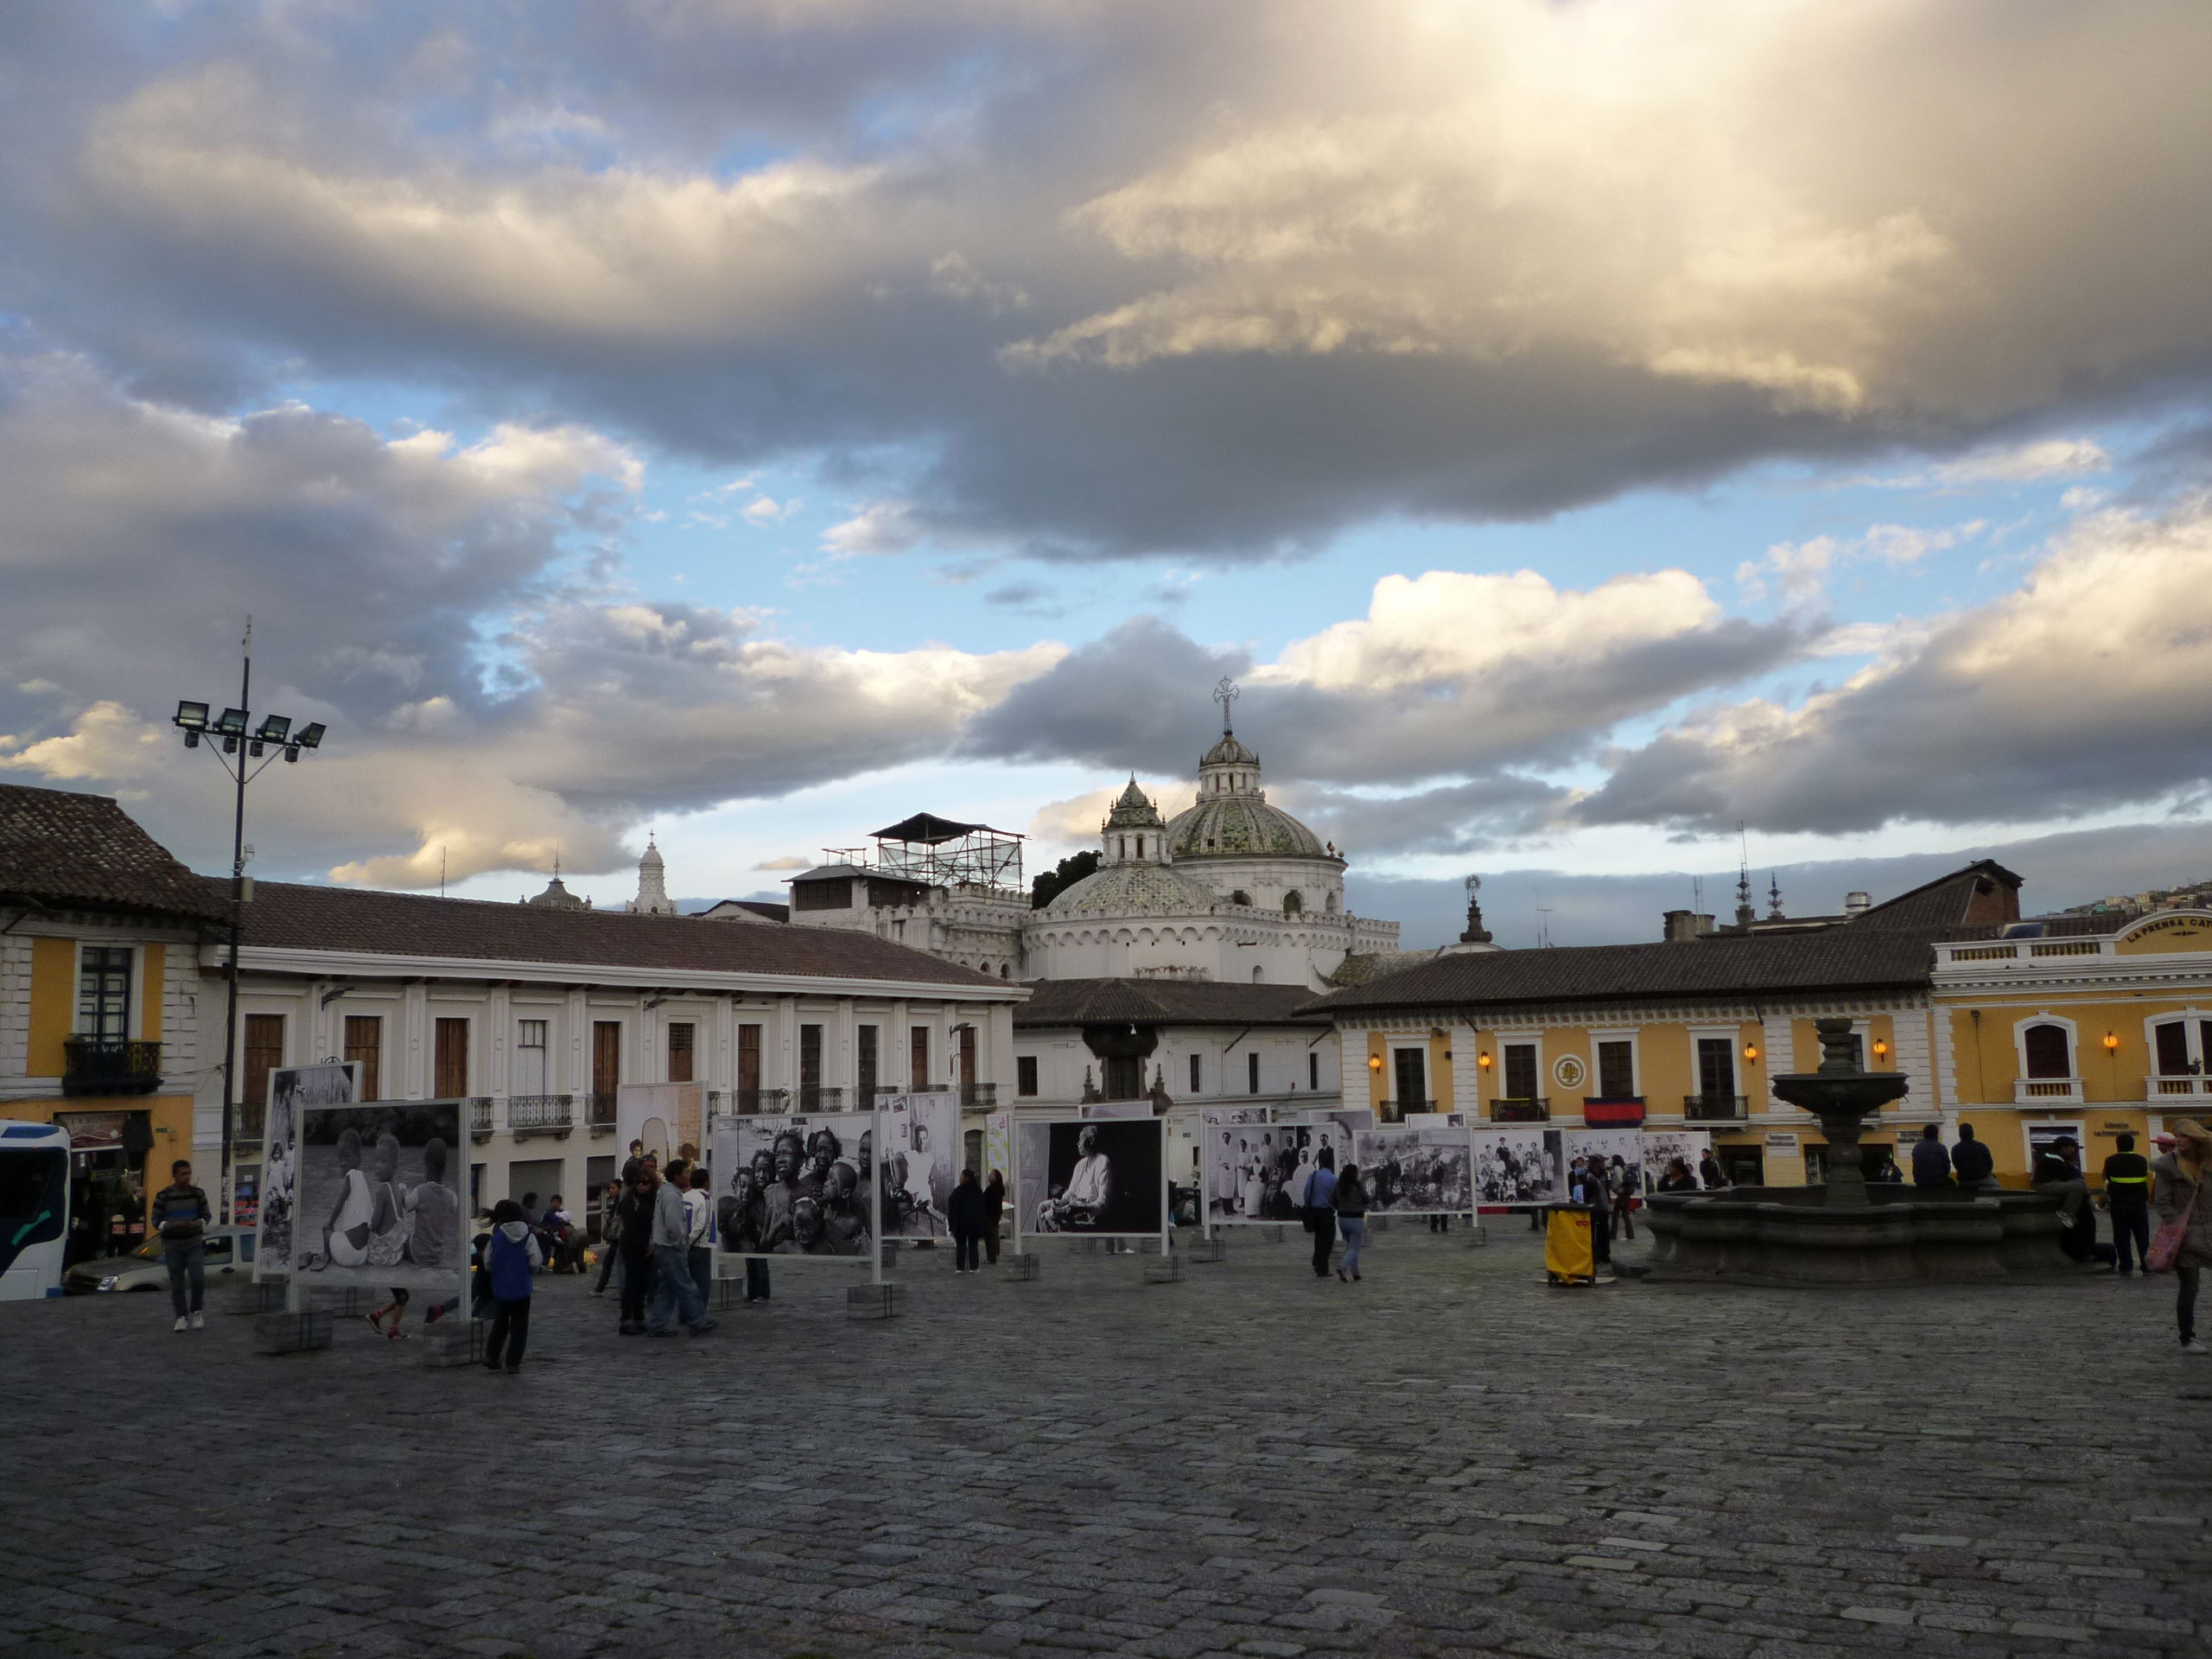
point(1450, 1458)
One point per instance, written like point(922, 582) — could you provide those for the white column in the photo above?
point(782, 1061)
point(415, 1041)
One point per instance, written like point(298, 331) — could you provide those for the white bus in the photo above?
point(34, 1208)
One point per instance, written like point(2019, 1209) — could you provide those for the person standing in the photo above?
point(1931, 1160)
point(1320, 1211)
point(1348, 1197)
point(1678, 1178)
point(698, 1211)
point(993, 1212)
point(2127, 1200)
point(1970, 1160)
point(673, 1291)
point(1597, 1193)
point(610, 1232)
point(2179, 1196)
point(1709, 1170)
point(964, 1214)
point(1621, 1185)
point(511, 1259)
point(180, 1218)
point(636, 1241)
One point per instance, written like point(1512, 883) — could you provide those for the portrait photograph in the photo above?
point(1092, 1177)
point(920, 1160)
point(1517, 1166)
point(794, 1185)
point(1414, 1171)
point(291, 1087)
point(379, 1194)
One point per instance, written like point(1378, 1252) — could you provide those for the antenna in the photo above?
point(441, 869)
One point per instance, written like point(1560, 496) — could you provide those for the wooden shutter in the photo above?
point(450, 1060)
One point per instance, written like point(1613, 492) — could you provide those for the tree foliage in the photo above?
point(1053, 882)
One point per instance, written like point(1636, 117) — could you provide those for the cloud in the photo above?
point(879, 527)
point(1213, 282)
point(1800, 570)
point(2026, 463)
point(785, 864)
point(1074, 823)
point(2081, 692)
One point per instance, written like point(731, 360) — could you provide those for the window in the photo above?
point(1716, 1068)
point(1197, 1073)
point(864, 1047)
point(1259, 976)
point(680, 1039)
point(104, 993)
point(748, 1068)
point(449, 1058)
point(1617, 1071)
point(1124, 1076)
point(1240, 897)
point(1409, 1070)
point(1313, 1070)
point(531, 1072)
point(1293, 902)
point(2172, 1041)
point(917, 1057)
point(2048, 1051)
point(1139, 846)
point(963, 1056)
point(810, 1066)
point(1024, 1074)
point(1520, 1071)
point(365, 1047)
point(605, 1064)
point(1330, 904)
point(265, 1052)
point(1252, 1073)
point(834, 893)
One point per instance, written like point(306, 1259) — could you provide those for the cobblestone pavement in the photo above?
point(1448, 1458)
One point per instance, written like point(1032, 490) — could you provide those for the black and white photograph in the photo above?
point(379, 1194)
point(290, 1089)
point(1661, 1147)
point(1621, 1149)
point(795, 1186)
point(1416, 1172)
point(1229, 1136)
point(1517, 1166)
point(921, 1150)
point(1090, 1177)
point(1119, 1108)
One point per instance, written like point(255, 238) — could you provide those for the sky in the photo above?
point(1607, 442)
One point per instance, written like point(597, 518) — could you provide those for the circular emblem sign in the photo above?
point(1569, 1071)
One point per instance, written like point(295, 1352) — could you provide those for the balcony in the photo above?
point(480, 1117)
point(532, 1114)
point(599, 1114)
point(1613, 1111)
point(821, 1097)
point(1394, 1111)
point(2047, 1091)
point(2185, 1089)
point(1536, 1108)
point(978, 1097)
point(93, 1065)
point(1716, 1109)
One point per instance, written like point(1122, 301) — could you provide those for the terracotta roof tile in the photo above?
point(65, 848)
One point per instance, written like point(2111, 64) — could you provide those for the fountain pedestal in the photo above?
point(1844, 1231)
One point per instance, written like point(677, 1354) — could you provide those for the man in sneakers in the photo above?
point(180, 1218)
point(673, 1291)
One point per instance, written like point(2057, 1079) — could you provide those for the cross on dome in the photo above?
point(1225, 694)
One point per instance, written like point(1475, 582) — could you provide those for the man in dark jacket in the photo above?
point(636, 1213)
point(180, 1218)
point(2127, 1200)
point(994, 1207)
point(964, 1214)
point(1970, 1159)
point(1931, 1161)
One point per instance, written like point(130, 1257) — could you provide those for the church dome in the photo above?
point(1134, 811)
point(1240, 826)
point(1134, 889)
point(1229, 753)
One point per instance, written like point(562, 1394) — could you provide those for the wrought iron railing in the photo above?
point(94, 1066)
point(1527, 1109)
point(599, 1110)
point(979, 1096)
point(1716, 1109)
point(479, 1116)
point(821, 1097)
point(1395, 1111)
point(541, 1114)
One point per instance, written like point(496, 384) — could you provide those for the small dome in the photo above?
point(652, 859)
point(1240, 826)
point(1133, 890)
point(1229, 753)
point(1134, 811)
point(556, 896)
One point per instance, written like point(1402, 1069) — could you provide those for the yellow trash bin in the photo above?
point(1567, 1258)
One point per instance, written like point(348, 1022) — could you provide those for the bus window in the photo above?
point(33, 1209)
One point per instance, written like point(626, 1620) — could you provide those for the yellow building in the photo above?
point(1683, 1033)
point(100, 999)
point(2090, 1026)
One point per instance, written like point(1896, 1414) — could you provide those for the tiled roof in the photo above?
point(1161, 1001)
point(62, 849)
point(1975, 894)
point(1852, 958)
point(289, 915)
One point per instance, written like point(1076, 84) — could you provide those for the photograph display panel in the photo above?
point(998, 1146)
point(1272, 1175)
point(1519, 1166)
point(920, 1160)
point(1627, 1145)
point(1230, 1138)
point(1419, 1172)
point(795, 1186)
point(291, 1087)
point(1093, 1177)
point(1661, 1145)
point(1120, 1108)
point(379, 1194)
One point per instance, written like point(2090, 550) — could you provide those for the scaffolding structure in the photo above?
point(939, 853)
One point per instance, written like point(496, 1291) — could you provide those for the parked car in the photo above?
point(229, 1250)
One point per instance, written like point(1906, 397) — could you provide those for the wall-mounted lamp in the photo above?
point(1375, 1062)
point(1881, 1049)
point(2111, 1043)
point(1483, 1059)
point(1751, 1051)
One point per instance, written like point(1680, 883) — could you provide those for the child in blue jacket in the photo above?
point(512, 1260)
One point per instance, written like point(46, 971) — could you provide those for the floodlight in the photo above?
point(273, 729)
point(232, 724)
point(193, 716)
point(309, 736)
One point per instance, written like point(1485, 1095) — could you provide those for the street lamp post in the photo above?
point(236, 744)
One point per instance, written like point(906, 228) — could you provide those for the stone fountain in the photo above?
point(1846, 1231)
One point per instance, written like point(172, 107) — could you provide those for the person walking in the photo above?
point(1678, 1178)
point(964, 1214)
point(2179, 1197)
point(1931, 1160)
point(993, 1210)
point(1320, 1211)
point(511, 1259)
point(673, 1291)
point(610, 1230)
point(636, 1242)
point(180, 1218)
point(1971, 1160)
point(698, 1211)
point(1593, 1190)
point(1709, 1170)
point(2127, 1201)
point(1348, 1197)
point(1621, 1188)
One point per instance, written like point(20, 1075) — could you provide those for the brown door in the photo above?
point(365, 1047)
point(450, 1060)
point(748, 1068)
point(606, 1060)
point(966, 1036)
point(679, 1053)
point(918, 1058)
point(265, 1052)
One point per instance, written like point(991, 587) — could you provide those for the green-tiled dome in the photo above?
point(1134, 889)
point(1240, 826)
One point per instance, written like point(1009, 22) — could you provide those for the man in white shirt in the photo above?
point(698, 1209)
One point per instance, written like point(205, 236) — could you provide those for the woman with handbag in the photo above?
point(2183, 1242)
